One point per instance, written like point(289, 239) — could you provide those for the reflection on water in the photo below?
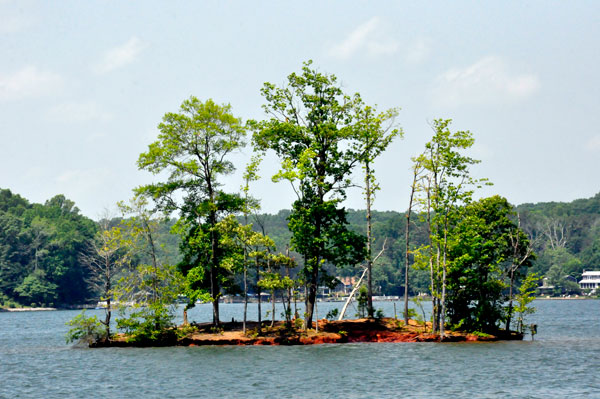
point(35, 362)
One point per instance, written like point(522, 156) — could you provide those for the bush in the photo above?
point(153, 323)
point(362, 299)
point(186, 330)
point(332, 314)
point(85, 329)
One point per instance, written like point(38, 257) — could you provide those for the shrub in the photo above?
point(153, 323)
point(85, 329)
point(332, 314)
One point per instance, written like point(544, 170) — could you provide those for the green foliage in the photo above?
point(412, 314)
point(332, 314)
point(525, 296)
point(193, 148)
point(314, 130)
point(445, 187)
point(418, 301)
point(479, 247)
point(148, 324)
point(39, 247)
point(85, 329)
point(480, 334)
point(186, 330)
point(35, 289)
point(563, 270)
point(362, 300)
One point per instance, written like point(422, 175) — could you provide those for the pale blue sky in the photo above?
point(83, 85)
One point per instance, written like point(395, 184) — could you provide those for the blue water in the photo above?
point(563, 361)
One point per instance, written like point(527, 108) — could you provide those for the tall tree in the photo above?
point(479, 251)
point(373, 139)
point(312, 129)
point(417, 170)
point(521, 256)
point(106, 257)
point(449, 186)
point(250, 175)
point(193, 147)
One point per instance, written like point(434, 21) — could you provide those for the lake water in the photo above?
point(563, 361)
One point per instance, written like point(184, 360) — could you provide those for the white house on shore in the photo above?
point(590, 280)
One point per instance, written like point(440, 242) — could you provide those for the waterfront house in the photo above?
point(590, 280)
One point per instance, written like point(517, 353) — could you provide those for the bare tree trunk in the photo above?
point(108, 267)
point(272, 308)
point(214, 283)
point(258, 291)
point(370, 310)
point(288, 311)
point(357, 285)
point(312, 295)
point(444, 273)
point(407, 249)
point(245, 293)
point(510, 299)
point(314, 280)
point(517, 262)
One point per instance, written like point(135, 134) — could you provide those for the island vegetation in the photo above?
point(186, 240)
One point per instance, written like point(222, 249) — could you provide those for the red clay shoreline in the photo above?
point(330, 332)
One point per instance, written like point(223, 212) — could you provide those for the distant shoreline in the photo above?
point(43, 309)
point(580, 298)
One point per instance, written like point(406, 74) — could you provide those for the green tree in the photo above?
point(479, 249)
point(13, 263)
point(36, 289)
point(525, 296)
point(522, 256)
point(562, 269)
point(373, 138)
point(83, 328)
point(58, 234)
point(250, 175)
point(313, 129)
point(193, 147)
point(151, 286)
point(105, 258)
point(447, 186)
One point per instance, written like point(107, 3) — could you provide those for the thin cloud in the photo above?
point(418, 51)
point(593, 144)
point(120, 56)
point(77, 113)
point(486, 81)
point(367, 38)
point(82, 179)
point(29, 82)
point(10, 20)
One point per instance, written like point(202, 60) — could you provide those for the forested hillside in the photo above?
point(565, 237)
point(39, 251)
point(41, 248)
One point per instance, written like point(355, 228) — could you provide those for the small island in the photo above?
point(470, 257)
point(329, 332)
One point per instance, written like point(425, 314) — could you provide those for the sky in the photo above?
point(84, 84)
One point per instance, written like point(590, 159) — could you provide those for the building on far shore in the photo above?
point(590, 280)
